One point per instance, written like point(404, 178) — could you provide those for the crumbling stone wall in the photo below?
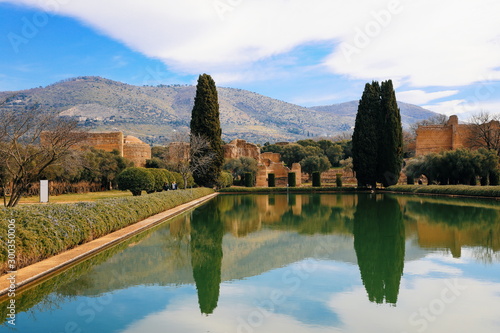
point(437, 138)
point(129, 147)
point(240, 148)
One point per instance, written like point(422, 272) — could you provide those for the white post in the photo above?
point(44, 191)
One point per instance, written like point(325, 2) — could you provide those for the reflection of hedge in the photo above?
point(45, 230)
point(484, 191)
point(290, 189)
point(31, 297)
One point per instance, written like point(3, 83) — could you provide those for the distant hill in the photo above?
point(153, 113)
point(410, 113)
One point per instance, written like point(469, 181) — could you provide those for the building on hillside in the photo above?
point(437, 138)
point(127, 146)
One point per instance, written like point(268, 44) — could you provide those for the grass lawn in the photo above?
point(76, 197)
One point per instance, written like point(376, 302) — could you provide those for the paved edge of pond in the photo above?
point(37, 271)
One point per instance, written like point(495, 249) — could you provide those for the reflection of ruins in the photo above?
point(454, 225)
point(261, 234)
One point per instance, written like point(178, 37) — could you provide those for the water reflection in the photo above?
point(379, 242)
point(243, 238)
point(206, 255)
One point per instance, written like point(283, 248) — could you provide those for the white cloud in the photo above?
point(464, 108)
point(421, 97)
point(422, 43)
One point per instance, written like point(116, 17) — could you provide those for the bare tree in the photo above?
point(438, 119)
point(178, 156)
point(22, 154)
point(484, 131)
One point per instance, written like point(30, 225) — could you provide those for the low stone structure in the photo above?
point(271, 163)
point(240, 148)
point(128, 146)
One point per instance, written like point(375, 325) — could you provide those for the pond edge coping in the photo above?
point(34, 273)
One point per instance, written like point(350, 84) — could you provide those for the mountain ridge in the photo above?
point(155, 113)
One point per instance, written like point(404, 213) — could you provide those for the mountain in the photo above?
point(410, 113)
point(154, 113)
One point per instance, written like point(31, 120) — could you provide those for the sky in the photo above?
point(442, 55)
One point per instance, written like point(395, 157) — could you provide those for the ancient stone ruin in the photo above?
point(128, 146)
point(267, 162)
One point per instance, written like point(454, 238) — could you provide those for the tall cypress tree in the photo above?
point(205, 123)
point(390, 157)
point(365, 136)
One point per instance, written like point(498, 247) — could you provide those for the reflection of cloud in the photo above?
point(182, 317)
point(424, 267)
point(475, 309)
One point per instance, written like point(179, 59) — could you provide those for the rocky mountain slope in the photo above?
point(155, 113)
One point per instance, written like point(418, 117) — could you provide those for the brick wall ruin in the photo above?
point(437, 138)
point(129, 146)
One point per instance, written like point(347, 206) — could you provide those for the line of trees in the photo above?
point(377, 142)
point(461, 166)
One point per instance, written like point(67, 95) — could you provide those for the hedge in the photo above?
point(316, 179)
point(483, 191)
point(45, 230)
point(292, 180)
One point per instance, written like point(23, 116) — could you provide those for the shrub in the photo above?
point(292, 180)
point(45, 230)
point(494, 178)
point(249, 182)
point(316, 179)
point(338, 179)
point(160, 178)
point(136, 180)
point(410, 180)
point(225, 179)
point(271, 180)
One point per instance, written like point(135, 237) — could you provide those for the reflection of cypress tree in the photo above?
point(206, 255)
point(379, 241)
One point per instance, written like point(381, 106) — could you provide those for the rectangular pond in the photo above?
point(287, 263)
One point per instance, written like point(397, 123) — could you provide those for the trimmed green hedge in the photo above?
point(316, 179)
point(483, 191)
point(45, 230)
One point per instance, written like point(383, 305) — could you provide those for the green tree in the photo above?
point(136, 180)
point(365, 137)
point(205, 123)
point(239, 166)
point(390, 144)
point(315, 163)
point(293, 154)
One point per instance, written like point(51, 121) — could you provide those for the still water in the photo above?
point(297, 263)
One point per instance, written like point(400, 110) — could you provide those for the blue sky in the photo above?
point(444, 55)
